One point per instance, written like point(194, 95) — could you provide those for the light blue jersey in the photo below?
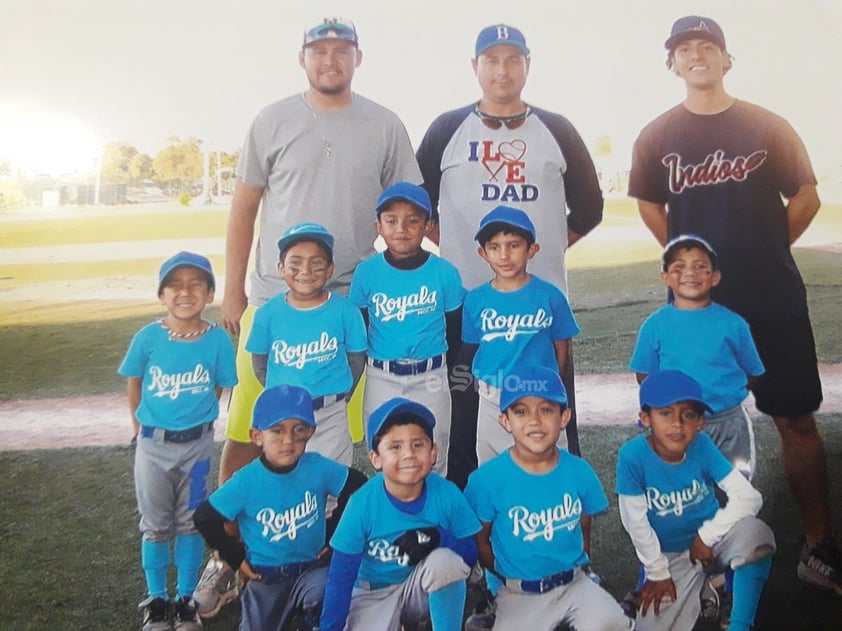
point(179, 376)
point(680, 497)
point(281, 515)
point(713, 345)
point(307, 347)
point(535, 519)
point(515, 327)
point(406, 307)
point(371, 522)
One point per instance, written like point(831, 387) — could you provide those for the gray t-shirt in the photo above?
point(284, 153)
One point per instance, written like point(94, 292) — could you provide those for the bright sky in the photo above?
point(77, 73)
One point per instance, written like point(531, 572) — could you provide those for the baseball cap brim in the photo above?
point(394, 406)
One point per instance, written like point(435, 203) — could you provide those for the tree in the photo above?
point(116, 157)
point(140, 168)
point(180, 164)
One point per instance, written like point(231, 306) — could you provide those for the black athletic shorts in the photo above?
point(791, 386)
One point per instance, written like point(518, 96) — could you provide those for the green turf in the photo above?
point(68, 530)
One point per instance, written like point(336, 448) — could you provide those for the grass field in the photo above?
point(68, 525)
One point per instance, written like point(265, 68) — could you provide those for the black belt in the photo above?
point(176, 436)
point(541, 585)
point(291, 570)
point(328, 399)
point(405, 367)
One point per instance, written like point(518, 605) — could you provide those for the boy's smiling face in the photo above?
point(284, 442)
point(691, 277)
point(185, 293)
point(405, 455)
point(673, 428)
point(535, 424)
point(306, 269)
point(403, 227)
point(508, 254)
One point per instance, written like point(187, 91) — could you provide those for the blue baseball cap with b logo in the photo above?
point(500, 34)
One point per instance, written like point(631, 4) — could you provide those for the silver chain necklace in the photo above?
point(327, 149)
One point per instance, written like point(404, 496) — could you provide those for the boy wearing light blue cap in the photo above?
point(176, 368)
point(311, 337)
point(411, 301)
point(278, 502)
point(405, 545)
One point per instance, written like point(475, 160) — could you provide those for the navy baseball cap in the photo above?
point(666, 387)
point(188, 259)
point(500, 34)
point(394, 406)
point(280, 403)
point(332, 28)
point(683, 242)
point(695, 27)
point(408, 192)
point(508, 216)
point(307, 231)
point(532, 381)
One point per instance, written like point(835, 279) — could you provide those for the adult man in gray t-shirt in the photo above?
point(324, 156)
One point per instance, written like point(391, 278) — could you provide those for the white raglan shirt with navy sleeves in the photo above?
point(307, 347)
point(179, 376)
point(680, 496)
point(281, 515)
point(515, 328)
point(406, 308)
point(370, 523)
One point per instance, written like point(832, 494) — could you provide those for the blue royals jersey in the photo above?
point(406, 307)
point(371, 522)
point(281, 515)
point(713, 345)
point(179, 376)
point(535, 519)
point(679, 497)
point(307, 347)
point(515, 327)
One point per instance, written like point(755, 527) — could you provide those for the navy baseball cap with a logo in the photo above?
point(397, 405)
point(406, 191)
point(185, 259)
point(332, 28)
point(532, 381)
point(508, 216)
point(685, 242)
point(500, 34)
point(695, 27)
point(281, 403)
point(307, 231)
point(666, 387)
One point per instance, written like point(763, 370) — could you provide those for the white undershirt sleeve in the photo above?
point(633, 509)
point(743, 501)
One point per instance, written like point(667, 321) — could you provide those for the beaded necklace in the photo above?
point(186, 336)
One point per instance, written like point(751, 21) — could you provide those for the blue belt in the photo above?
point(328, 399)
point(541, 585)
point(291, 570)
point(175, 436)
point(405, 367)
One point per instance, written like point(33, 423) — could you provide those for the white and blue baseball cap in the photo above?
point(664, 388)
point(332, 28)
point(408, 192)
point(500, 34)
point(185, 259)
point(532, 381)
point(508, 216)
point(397, 405)
point(280, 403)
point(307, 231)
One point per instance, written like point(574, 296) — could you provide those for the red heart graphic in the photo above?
point(512, 151)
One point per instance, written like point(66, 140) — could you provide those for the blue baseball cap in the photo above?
point(695, 27)
point(408, 192)
point(666, 387)
point(394, 406)
point(188, 259)
point(500, 34)
point(280, 403)
point(683, 242)
point(332, 28)
point(532, 381)
point(508, 216)
point(307, 231)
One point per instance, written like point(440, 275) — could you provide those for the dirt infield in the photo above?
point(103, 420)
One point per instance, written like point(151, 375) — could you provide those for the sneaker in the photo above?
point(711, 602)
point(484, 614)
point(630, 604)
point(217, 586)
point(726, 601)
point(186, 618)
point(156, 614)
point(821, 565)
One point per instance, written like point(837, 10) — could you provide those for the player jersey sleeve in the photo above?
point(461, 520)
point(226, 367)
point(478, 496)
point(335, 476)
point(564, 324)
point(356, 337)
point(792, 162)
point(136, 358)
point(471, 333)
point(645, 357)
point(229, 499)
point(358, 294)
point(746, 352)
point(454, 293)
point(630, 477)
point(592, 494)
point(351, 532)
point(258, 341)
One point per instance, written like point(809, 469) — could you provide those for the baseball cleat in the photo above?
point(217, 587)
point(156, 614)
point(185, 616)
